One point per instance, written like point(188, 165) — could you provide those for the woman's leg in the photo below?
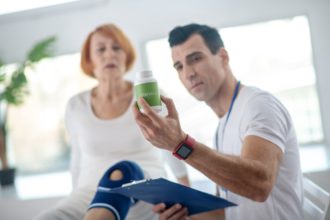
point(109, 206)
point(72, 207)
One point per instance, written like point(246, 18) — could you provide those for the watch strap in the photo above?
point(188, 142)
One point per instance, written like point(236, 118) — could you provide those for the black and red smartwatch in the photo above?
point(184, 149)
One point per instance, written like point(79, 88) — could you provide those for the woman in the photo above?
point(103, 131)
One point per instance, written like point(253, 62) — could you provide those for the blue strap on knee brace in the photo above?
point(131, 171)
point(117, 204)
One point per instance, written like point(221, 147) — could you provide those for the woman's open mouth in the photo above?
point(110, 66)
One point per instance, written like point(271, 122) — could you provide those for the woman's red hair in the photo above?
point(117, 35)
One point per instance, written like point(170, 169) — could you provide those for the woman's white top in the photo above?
point(97, 144)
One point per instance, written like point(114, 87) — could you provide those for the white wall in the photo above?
point(147, 19)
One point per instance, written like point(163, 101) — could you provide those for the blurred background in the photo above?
point(280, 46)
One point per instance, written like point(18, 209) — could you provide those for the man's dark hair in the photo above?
point(210, 36)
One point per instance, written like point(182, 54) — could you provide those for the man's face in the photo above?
point(200, 71)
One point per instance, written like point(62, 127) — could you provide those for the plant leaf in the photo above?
point(2, 77)
point(41, 50)
point(15, 89)
point(18, 79)
point(2, 69)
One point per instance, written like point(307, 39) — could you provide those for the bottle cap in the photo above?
point(144, 74)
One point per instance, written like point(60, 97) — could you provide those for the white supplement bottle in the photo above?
point(146, 86)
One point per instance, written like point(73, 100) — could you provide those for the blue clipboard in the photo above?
point(161, 190)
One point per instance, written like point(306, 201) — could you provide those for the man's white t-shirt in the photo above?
point(256, 112)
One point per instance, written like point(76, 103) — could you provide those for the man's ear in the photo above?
point(223, 55)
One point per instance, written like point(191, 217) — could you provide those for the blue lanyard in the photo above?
point(228, 114)
point(223, 130)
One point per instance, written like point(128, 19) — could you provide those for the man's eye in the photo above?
point(178, 68)
point(196, 58)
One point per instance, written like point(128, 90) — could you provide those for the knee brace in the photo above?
point(115, 203)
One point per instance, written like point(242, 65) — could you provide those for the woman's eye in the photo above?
point(116, 47)
point(100, 49)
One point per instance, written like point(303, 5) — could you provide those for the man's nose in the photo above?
point(189, 72)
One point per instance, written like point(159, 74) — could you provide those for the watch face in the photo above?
point(184, 151)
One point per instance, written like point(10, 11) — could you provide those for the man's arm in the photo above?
point(252, 174)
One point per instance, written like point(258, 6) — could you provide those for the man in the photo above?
point(257, 161)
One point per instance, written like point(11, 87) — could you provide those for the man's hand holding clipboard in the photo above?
point(163, 191)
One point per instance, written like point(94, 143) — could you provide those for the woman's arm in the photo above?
point(178, 168)
point(75, 151)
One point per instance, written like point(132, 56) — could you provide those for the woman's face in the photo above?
point(108, 58)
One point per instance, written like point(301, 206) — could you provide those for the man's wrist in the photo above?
point(183, 150)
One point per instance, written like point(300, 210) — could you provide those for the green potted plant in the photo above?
point(13, 91)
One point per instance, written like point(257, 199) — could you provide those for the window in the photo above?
point(38, 140)
point(275, 56)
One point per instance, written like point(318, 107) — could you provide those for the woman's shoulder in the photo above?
point(80, 99)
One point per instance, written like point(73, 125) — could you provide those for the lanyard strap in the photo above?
point(223, 130)
point(228, 114)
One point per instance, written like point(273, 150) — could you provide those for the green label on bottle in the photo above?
point(150, 92)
